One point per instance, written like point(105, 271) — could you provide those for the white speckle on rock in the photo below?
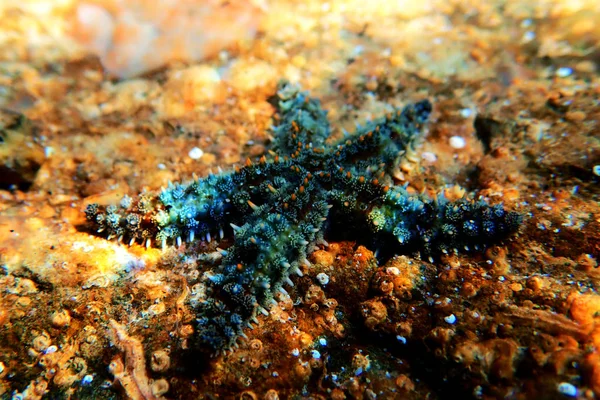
point(223, 55)
point(315, 354)
point(323, 342)
point(451, 319)
point(195, 153)
point(567, 389)
point(87, 380)
point(428, 156)
point(458, 142)
point(401, 339)
point(82, 246)
point(466, 112)
point(563, 72)
point(295, 352)
point(323, 278)
point(127, 261)
point(358, 50)
point(528, 36)
point(596, 170)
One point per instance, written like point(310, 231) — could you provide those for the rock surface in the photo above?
point(515, 89)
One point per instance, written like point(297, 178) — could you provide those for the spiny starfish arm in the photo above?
point(202, 208)
point(300, 119)
point(301, 128)
point(179, 212)
point(407, 223)
point(430, 226)
point(382, 140)
point(132, 220)
point(268, 248)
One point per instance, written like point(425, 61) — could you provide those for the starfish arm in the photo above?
point(379, 142)
point(201, 208)
point(300, 120)
point(186, 210)
point(401, 222)
point(268, 248)
point(434, 226)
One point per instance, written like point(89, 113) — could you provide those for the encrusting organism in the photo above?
point(277, 210)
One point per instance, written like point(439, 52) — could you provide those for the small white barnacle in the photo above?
point(323, 278)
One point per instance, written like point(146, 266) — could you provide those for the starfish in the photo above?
point(277, 210)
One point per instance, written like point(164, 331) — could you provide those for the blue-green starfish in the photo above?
point(278, 209)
